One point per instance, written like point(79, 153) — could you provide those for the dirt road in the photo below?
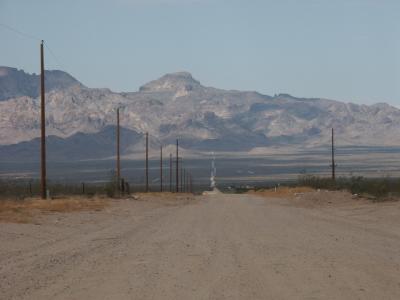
point(214, 247)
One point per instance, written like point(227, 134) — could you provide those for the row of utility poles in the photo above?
point(183, 182)
point(184, 179)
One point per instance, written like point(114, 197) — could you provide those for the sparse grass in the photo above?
point(377, 189)
point(164, 196)
point(24, 211)
point(19, 189)
point(161, 194)
point(282, 191)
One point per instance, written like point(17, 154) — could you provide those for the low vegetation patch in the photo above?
point(24, 211)
point(377, 189)
point(282, 191)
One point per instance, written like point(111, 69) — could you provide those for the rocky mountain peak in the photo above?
point(16, 83)
point(177, 105)
point(4, 71)
point(172, 82)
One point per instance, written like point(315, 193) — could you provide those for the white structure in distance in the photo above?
point(213, 173)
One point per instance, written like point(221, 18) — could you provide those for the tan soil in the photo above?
point(25, 211)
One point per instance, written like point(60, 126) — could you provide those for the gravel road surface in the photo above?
point(211, 247)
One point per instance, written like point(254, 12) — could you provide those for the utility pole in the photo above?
point(333, 157)
point(187, 182)
point(43, 182)
point(170, 172)
point(147, 162)
point(177, 167)
point(161, 170)
point(184, 181)
point(118, 154)
point(181, 183)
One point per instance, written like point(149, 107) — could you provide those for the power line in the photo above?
point(60, 65)
point(29, 36)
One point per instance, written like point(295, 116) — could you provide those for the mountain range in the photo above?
point(80, 121)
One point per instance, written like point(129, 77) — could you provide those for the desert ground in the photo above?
point(290, 245)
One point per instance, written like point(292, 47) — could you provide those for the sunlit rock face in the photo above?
point(177, 105)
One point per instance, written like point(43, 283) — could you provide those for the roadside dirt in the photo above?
point(29, 210)
point(209, 247)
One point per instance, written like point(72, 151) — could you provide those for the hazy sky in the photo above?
point(346, 50)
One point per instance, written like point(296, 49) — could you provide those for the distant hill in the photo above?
point(79, 146)
point(179, 106)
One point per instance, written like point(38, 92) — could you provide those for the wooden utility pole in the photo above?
point(187, 182)
point(118, 154)
point(181, 182)
point(147, 162)
point(161, 170)
point(333, 157)
point(191, 183)
point(43, 183)
point(177, 167)
point(170, 172)
point(184, 181)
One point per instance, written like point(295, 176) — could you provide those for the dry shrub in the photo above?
point(376, 189)
point(166, 198)
point(282, 192)
point(24, 211)
point(164, 195)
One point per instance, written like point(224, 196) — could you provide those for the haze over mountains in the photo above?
point(81, 120)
